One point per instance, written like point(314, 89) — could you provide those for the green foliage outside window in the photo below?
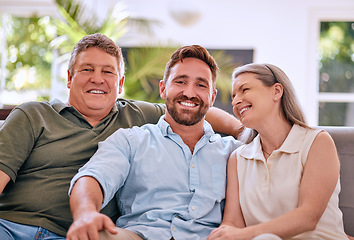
point(336, 69)
point(29, 53)
point(337, 57)
point(145, 65)
point(31, 41)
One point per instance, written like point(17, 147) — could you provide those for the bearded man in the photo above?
point(168, 178)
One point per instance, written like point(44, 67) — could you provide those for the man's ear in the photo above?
point(121, 83)
point(213, 97)
point(162, 89)
point(68, 85)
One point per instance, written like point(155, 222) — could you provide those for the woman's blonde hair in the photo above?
point(269, 74)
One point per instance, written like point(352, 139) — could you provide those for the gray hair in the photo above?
point(99, 41)
point(269, 74)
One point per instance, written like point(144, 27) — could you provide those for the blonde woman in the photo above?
point(284, 182)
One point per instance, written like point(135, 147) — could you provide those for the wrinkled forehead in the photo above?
point(96, 57)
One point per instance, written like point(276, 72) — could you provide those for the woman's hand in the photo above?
point(350, 237)
point(225, 232)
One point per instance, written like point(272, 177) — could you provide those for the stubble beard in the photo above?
point(186, 117)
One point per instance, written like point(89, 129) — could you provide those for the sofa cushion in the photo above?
point(344, 140)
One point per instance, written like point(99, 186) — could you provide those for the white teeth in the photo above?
point(188, 104)
point(244, 109)
point(96, 91)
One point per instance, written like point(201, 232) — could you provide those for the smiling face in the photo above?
point(188, 91)
point(95, 83)
point(252, 100)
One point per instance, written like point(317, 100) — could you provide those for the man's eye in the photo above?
point(86, 69)
point(108, 72)
point(245, 89)
point(202, 85)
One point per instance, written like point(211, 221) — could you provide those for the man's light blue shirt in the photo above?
point(164, 190)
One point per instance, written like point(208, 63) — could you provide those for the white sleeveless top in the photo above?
point(268, 189)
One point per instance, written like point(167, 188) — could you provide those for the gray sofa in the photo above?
point(344, 140)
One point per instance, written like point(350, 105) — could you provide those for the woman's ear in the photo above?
point(278, 91)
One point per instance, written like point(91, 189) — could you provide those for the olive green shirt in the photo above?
point(42, 145)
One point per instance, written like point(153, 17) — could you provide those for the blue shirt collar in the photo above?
point(167, 130)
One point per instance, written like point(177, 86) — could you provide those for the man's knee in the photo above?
point(122, 234)
point(267, 236)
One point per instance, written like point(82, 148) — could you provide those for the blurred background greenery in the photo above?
point(31, 42)
point(336, 52)
point(34, 43)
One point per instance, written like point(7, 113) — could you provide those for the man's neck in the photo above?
point(189, 134)
point(93, 117)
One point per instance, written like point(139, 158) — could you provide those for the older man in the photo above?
point(171, 176)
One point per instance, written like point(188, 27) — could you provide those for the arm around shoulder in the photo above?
point(223, 122)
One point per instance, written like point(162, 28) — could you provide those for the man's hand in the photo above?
point(88, 226)
point(85, 202)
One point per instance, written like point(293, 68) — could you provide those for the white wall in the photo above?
point(281, 32)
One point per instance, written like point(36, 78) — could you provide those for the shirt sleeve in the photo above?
point(109, 165)
point(151, 111)
point(17, 139)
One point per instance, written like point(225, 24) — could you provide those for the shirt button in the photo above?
point(265, 178)
point(193, 208)
point(174, 229)
point(193, 165)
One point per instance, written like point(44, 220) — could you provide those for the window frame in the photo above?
point(314, 96)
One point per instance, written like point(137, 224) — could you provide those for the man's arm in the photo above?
point(85, 203)
point(4, 180)
point(223, 122)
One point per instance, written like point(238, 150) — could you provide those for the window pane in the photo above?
point(29, 58)
point(337, 57)
point(336, 114)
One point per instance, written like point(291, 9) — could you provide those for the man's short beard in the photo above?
point(193, 119)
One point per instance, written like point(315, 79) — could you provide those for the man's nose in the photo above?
point(97, 77)
point(189, 91)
